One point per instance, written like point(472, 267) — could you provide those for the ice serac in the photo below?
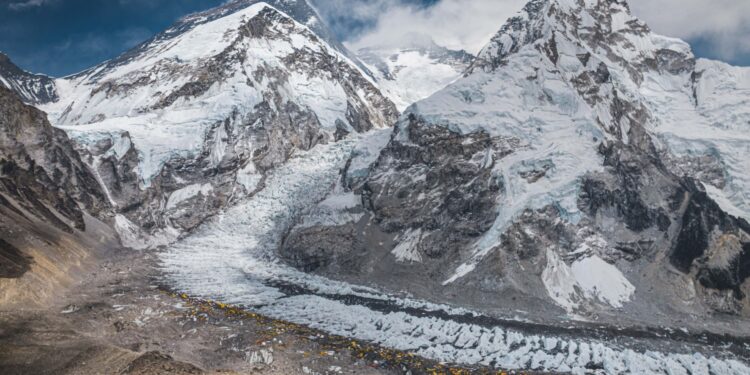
point(31, 88)
point(189, 121)
point(414, 70)
point(583, 165)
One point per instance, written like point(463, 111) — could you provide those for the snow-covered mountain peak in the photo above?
point(202, 111)
point(595, 48)
point(227, 61)
point(415, 69)
point(299, 10)
point(604, 28)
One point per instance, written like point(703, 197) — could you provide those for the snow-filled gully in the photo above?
point(231, 259)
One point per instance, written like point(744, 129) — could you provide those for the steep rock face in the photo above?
point(42, 174)
point(47, 199)
point(589, 192)
point(416, 70)
point(430, 184)
point(170, 127)
point(31, 88)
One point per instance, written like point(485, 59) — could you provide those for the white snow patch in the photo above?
point(560, 282)
point(188, 192)
point(589, 278)
point(603, 281)
point(249, 177)
point(720, 197)
point(132, 237)
point(407, 249)
point(341, 201)
point(121, 146)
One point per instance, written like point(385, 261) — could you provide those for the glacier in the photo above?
point(244, 271)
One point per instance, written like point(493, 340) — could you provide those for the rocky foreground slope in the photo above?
point(47, 199)
point(584, 165)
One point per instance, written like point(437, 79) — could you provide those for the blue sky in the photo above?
point(60, 37)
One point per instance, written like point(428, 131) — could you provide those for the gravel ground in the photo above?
point(118, 320)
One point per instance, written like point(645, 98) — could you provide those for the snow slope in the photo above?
point(415, 71)
point(154, 96)
point(710, 117)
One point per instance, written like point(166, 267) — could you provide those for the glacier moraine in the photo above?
point(231, 258)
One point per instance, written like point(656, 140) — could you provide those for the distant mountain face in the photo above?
point(412, 72)
point(32, 88)
point(200, 113)
point(584, 165)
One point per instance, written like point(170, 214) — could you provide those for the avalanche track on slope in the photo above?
point(231, 258)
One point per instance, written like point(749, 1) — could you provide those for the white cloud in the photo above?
point(21, 5)
point(457, 24)
point(693, 18)
point(723, 25)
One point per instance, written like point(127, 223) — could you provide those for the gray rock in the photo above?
point(40, 170)
point(31, 88)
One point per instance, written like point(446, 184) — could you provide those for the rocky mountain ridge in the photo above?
point(32, 88)
point(42, 174)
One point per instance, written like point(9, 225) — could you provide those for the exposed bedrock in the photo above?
point(47, 198)
point(41, 174)
point(432, 194)
point(434, 186)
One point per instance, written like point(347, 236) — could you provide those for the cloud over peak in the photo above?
point(717, 28)
point(26, 4)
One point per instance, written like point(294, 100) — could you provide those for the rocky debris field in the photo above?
point(121, 321)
